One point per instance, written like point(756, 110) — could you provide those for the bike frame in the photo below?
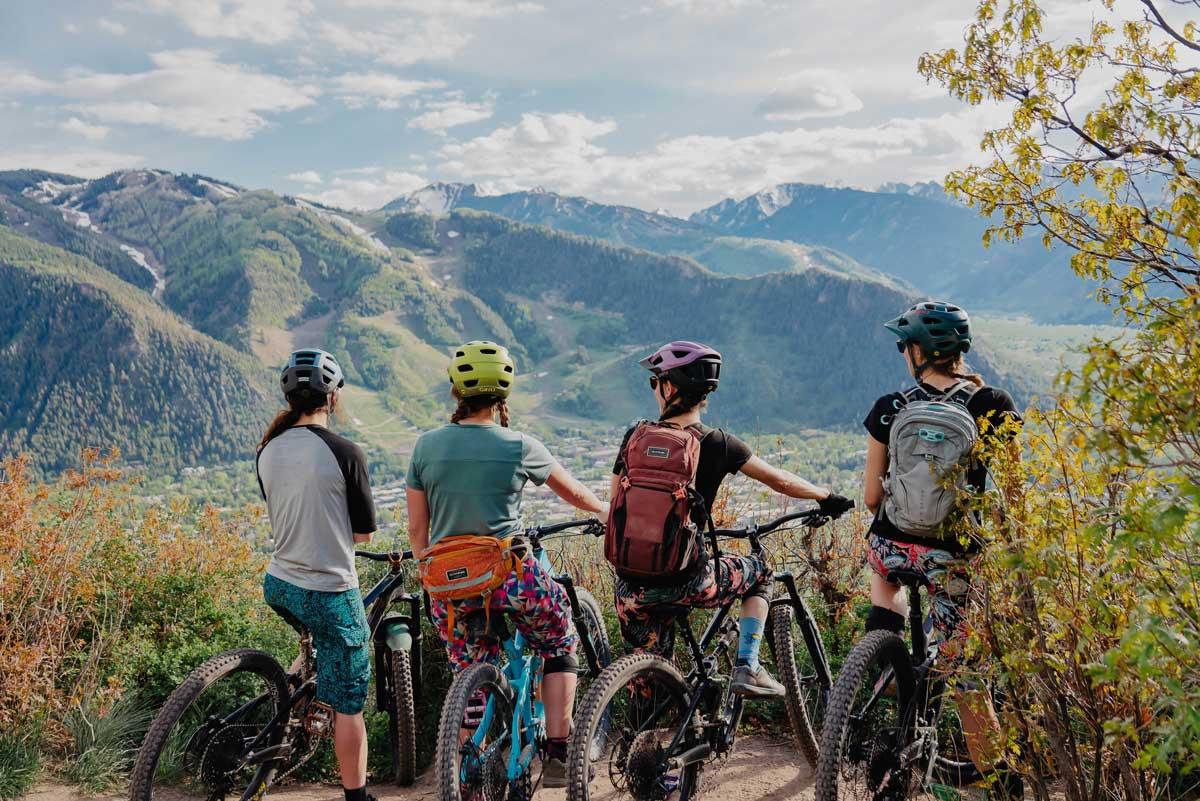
point(524, 674)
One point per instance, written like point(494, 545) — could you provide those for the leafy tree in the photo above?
point(1096, 611)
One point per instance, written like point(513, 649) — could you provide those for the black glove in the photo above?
point(835, 505)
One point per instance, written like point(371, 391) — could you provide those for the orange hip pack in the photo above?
point(466, 566)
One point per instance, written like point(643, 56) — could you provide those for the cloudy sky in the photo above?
point(655, 103)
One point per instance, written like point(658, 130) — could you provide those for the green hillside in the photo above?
point(91, 363)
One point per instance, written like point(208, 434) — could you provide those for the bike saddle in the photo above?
point(909, 578)
point(492, 626)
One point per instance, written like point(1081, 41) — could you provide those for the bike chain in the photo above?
point(204, 767)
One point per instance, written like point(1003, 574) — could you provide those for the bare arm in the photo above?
point(575, 493)
point(361, 538)
point(418, 521)
point(782, 481)
point(877, 459)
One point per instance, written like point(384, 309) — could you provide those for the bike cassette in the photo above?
point(646, 769)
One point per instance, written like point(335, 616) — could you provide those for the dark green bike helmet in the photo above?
point(943, 330)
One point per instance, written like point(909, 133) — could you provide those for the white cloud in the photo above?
point(13, 82)
point(84, 163)
point(262, 21)
point(809, 94)
point(186, 90)
point(780, 52)
point(444, 114)
point(305, 177)
point(357, 90)
point(70, 27)
point(710, 6)
point(77, 126)
point(686, 172)
point(461, 9)
point(368, 192)
point(398, 43)
point(111, 26)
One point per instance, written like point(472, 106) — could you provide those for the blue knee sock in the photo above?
point(749, 642)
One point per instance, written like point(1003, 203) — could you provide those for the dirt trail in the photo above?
point(760, 769)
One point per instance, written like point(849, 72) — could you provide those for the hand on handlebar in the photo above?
point(834, 506)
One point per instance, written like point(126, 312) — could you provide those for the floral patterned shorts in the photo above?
point(947, 574)
point(536, 603)
point(648, 614)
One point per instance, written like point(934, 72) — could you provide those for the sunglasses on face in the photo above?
point(653, 382)
point(901, 345)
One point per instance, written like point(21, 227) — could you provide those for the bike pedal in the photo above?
point(318, 719)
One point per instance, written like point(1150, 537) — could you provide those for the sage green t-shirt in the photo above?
point(472, 476)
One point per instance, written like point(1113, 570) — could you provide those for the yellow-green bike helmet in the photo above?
point(482, 368)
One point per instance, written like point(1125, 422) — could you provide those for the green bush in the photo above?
point(20, 761)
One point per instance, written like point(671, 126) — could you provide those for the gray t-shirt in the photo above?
point(318, 496)
point(472, 476)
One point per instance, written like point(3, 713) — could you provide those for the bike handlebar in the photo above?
point(535, 533)
point(812, 518)
point(390, 556)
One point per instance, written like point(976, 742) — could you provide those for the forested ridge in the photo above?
point(89, 363)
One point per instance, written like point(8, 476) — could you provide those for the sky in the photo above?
point(659, 104)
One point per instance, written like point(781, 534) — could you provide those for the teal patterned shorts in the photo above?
point(338, 624)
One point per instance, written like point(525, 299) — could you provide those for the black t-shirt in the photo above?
point(989, 404)
point(721, 454)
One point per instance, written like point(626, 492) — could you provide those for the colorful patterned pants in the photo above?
point(648, 614)
point(948, 576)
point(338, 624)
point(536, 603)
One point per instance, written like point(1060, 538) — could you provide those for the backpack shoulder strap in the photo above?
point(916, 393)
point(962, 392)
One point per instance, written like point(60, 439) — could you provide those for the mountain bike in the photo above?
point(240, 723)
point(890, 728)
point(500, 705)
point(646, 730)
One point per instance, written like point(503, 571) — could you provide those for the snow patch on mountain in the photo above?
point(435, 199)
point(49, 191)
point(345, 226)
point(139, 258)
point(221, 190)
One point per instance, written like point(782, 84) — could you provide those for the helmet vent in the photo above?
point(503, 383)
point(471, 382)
point(488, 351)
point(507, 368)
point(465, 368)
point(459, 354)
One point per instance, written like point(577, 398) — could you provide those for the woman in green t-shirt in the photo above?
point(466, 479)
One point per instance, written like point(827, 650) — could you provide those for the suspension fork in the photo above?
point(589, 647)
point(808, 628)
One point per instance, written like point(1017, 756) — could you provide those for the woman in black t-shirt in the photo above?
point(682, 375)
point(933, 337)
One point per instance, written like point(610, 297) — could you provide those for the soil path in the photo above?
point(760, 769)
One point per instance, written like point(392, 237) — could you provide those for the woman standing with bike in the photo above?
point(920, 462)
point(318, 496)
point(465, 480)
point(682, 374)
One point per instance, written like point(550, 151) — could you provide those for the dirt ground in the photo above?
point(758, 769)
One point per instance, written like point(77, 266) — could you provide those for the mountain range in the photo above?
point(150, 310)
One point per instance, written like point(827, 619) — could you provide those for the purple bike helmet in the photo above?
point(691, 366)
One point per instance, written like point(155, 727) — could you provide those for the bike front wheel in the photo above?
point(475, 737)
point(201, 739)
point(402, 719)
point(865, 729)
point(623, 728)
point(796, 662)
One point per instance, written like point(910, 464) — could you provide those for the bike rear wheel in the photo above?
point(796, 665)
point(472, 755)
point(642, 700)
point(200, 738)
point(402, 719)
point(865, 731)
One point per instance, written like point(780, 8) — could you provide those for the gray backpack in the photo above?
point(929, 451)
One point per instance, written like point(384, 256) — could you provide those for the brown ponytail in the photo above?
point(469, 407)
point(681, 403)
point(954, 367)
point(300, 403)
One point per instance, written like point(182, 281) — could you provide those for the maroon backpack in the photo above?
point(651, 535)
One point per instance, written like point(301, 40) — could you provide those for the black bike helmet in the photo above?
point(943, 330)
point(311, 369)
